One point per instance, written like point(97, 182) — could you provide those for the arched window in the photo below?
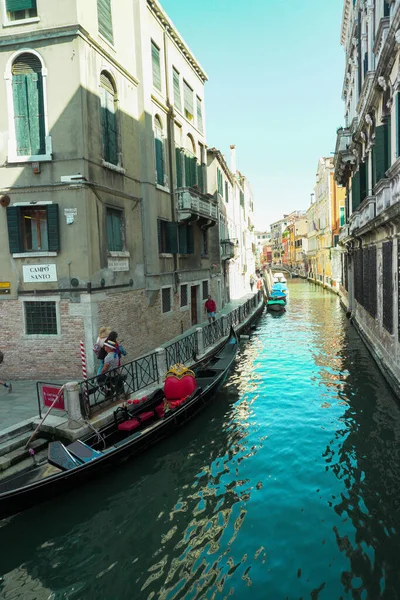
point(190, 162)
point(109, 119)
point(159, 151)
point(28, 105)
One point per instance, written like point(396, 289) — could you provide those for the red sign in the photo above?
point(49, 393)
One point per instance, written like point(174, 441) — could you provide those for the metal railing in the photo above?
point(213, 332)
point(117, 384)
point(183, 350)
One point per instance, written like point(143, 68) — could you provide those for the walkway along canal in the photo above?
point(287, 487)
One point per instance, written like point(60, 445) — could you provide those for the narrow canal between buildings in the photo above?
point(288, 486)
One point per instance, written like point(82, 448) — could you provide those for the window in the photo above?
point(179, 173)
point(167, 237)
point(190, 163)
point(177, 90)
point(104, 20)
point(205, 290)
point(188, 101)
point(28, 104)
point(108, 119)
point(115, 229)
point(166, 300)
point(159, 151)
point(40, 318)
point(226, 192)
point(204, 242)
point(199, 115)
point(342, 216)
point(186, 239)
point(155, 59)
point(184, 295)
point(242, 199)
point(220, 183)
point(21, 9)
point(33, 228)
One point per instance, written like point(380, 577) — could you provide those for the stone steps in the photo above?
point(26, 427)
point(21, 453)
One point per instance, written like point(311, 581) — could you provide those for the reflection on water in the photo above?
point(287, 487)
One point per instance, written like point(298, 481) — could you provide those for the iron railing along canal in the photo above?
point(183, 350)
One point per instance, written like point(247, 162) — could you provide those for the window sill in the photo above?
point(163, 188)
point(27, 159)
point(121, 254)
point(21, 22)
point(112, 167)
point(166, 255)
point(41, 336)
point(33, 254)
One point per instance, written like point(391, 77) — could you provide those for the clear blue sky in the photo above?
point(275, 72)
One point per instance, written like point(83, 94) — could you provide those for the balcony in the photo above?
point(193, 205)
point(228, 249)
point(344, 233)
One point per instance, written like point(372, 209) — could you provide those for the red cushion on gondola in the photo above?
point(160, 410)
point(129, 425)
point(146, 415)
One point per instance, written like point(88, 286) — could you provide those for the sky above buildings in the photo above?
point(275, 71)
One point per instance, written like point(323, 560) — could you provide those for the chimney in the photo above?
point(233, 159)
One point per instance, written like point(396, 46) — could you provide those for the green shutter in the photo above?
point(363, 178)
point(183, 239)
point(355, 191)
point(178, 158)
point(155, 58)
point(397, 124)
point(380, 152)
point(199, 115)
point(159, 160)
point(177, 91)
point(190, 239)
point(53, 227)
point(171, 229)
point(188, 99)
point(14, 5)
point(160, 248)
point(200, 177)
point(36, 113)
point(21, 112)
point(104, 18)
point(190, 170)
point(14, 229)
point(388, 157)
point(226, 192)
point(111, 129)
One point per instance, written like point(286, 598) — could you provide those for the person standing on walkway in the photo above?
point(251, 282)
point(98, 348)
point(8, 386)
point(211, 308)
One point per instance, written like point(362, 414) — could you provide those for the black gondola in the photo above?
point(135, 428)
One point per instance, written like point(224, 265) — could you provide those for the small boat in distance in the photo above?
point(276, 305)
point(136, 426)
point(279, 278)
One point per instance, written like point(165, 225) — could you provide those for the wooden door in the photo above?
point(193, 303)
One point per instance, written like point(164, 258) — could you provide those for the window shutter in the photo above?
point(200, 177)
point(178, 158)
point(14, 5)
point(363, 177)
point(226, 192)
point(159, 160)
point(199, 115)
point(355, 191)
point(190, 239)
point(190, 170)
point(21, 119)
point(53, 227)
point(155, 57)
point(172, 237)
point(397, 124)
point(36, 113)
point(183, 239)
point(160, 248)
point(14, 229)
point(177, 91)
point(104, 18)
point(380, 151)
point(188, 99)
point(388, 156)
point(111, 127)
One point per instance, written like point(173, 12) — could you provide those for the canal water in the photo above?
point(288, 486)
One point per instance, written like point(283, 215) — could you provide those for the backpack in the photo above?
point(96, 349)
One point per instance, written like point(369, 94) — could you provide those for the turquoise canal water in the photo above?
point(288, 486)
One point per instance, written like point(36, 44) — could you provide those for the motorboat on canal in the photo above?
point(276, 305)
point(136, 426)
point(279, 278)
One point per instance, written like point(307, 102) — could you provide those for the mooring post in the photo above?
point(161, 363)
point(200, 341)
point(73, 405)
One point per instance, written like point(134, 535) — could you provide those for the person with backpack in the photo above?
point(8, 386)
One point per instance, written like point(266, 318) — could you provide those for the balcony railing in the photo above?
point(192, 202)
point(228, 249)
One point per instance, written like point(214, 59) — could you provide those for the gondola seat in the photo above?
point(145, 416)
point(129, 425)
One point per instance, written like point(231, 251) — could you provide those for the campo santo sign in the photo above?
point(39, 273)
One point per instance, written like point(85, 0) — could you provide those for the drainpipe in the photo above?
point(171, 149)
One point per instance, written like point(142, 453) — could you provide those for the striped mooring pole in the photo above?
point(84, 373)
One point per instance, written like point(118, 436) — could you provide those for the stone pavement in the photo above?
point(21, 404)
